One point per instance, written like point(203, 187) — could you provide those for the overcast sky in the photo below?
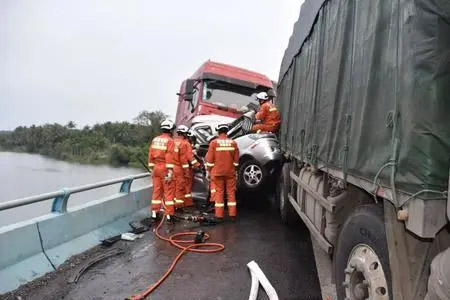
point(106, 60)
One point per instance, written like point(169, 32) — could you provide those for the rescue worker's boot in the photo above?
point(170, 220)
point(181, 210)
point(156, 216)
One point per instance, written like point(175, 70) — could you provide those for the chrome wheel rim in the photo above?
point(364, 276)
point(253, 175)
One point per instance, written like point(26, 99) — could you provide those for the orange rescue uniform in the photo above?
point(160, 161)
point(189, 173)
point(222, 159)
point(269, 116)
point(180, 163)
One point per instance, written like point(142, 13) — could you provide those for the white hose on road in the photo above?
point(259, 277)
point(255, 287)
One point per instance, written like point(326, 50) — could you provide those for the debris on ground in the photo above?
point(139, 227)
point(93, 261)
point(111, 241)
point(129, 236)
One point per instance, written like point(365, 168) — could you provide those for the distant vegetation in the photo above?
point(116, 143)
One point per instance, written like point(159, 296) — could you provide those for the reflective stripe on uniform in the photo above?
point(231, 203)
point(159, 147)
point(194, 161)
point(225, 149)
point(220, 205)
point(169, 203)
point(151, 164)
point(179, 201)
point(209, 164)
point(187, 195)
point(170, 166)
point(176, 150)
point(235, 164)
point(185, 166)
point(156, 201)
point(160, 140)
point(273, 109)
point(213, 190)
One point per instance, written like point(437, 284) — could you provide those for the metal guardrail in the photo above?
point(61, 197)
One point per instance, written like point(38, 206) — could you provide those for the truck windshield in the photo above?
point(226, 94)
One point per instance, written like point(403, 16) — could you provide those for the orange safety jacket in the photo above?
point(190, 155)
point(269, 114)
point(223, 156)
point(160, 154)
point(179, 158)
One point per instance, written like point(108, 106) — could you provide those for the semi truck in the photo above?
point(364, 91)
point(216, 92)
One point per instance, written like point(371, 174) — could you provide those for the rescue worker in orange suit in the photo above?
point(160, 162)
point(188, 167)
point(190, 176)
point(222, 160)
point(182, 158)
point(268, 117)
point(212, 188)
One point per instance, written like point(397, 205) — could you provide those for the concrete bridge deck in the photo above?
point(284, 254)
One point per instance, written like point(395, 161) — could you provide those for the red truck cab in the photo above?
point(218, 89)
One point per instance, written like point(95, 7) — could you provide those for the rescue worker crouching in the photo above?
point(183, 159)
point(160, 162)
point(189, 168)
point(191, 139)
point(268, 115)
point(222, 160)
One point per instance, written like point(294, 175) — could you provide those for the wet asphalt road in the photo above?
point(284, 254)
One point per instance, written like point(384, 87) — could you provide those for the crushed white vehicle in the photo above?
point(260, 154)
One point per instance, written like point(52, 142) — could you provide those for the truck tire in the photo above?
point(361, 261)
point(251, 176)
point(287, 211)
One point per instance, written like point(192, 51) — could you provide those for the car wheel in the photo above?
point(287, 211)
point(251, 175)
point(361, 262)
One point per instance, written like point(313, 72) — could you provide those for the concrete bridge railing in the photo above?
point(31, 248)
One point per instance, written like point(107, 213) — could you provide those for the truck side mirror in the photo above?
point(189, 90)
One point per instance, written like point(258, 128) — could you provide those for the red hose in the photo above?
point(213, 248)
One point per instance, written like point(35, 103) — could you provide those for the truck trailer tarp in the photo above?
point(364, 88)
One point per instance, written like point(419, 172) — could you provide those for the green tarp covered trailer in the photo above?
point(364, 89)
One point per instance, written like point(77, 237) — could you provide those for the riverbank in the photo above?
point(112, 143)
point(117, 156)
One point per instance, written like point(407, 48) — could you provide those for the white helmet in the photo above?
point(262, 96)
point(224, 127)
point(182, 129)
point(167, 125)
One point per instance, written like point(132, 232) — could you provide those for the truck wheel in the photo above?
point(251, 176)
point(287, 211)
point(361, 262)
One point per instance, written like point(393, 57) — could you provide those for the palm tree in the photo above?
point(71, 125)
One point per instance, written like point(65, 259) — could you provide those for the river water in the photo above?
point(23, 175)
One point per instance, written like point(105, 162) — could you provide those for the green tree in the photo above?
point(71, 125)
point(118, 143)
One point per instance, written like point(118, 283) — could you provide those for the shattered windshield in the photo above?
point(226, 94)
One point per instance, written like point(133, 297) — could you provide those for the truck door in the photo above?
point(190, 108)
point(186, 110)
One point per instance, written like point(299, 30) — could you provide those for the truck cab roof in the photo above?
point(219, 71)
